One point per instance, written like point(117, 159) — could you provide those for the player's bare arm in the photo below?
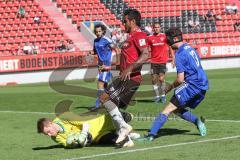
point(171, 52)
point(179, 80)
point(145, 54)
point(91, 52)
point(113, 46)
point(117, 51)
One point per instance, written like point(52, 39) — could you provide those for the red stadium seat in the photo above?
point(20, 30)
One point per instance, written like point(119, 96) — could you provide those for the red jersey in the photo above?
point(131, 52)
point(159, 48)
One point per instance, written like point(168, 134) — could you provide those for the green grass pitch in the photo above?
point(22, 105)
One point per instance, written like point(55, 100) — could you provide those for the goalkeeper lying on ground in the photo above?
point(71, 130)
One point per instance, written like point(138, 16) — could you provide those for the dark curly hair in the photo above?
point(104, 29)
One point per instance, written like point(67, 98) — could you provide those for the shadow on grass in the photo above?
point(166, 131)
point(83, 107)
point(110, 144)
point(162, 132)
point(143, 100)
point(48, 147)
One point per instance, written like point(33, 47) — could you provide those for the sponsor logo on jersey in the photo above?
point(142, 42)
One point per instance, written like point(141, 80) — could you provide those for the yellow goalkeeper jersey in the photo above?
point(100, 124)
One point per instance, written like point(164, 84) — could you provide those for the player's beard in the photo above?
point(174, 47)
point(99, 36)
point(127, 29)
point(157, 32)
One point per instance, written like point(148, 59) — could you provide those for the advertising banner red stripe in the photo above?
point(79, 59)
point(219, 51)
point(45, 62)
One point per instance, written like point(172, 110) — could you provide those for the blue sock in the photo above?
point(188, 116)
point(97, 104)
point(158, 123)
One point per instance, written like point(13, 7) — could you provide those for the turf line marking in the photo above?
point(137, 117)
point(152, 148)
point(179, 119)
point(219, 120)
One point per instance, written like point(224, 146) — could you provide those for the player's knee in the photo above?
point(166, 113)
point(104, 97)
point(162, 77)
point(155, 79)
point(100, 85)
point(169, 109)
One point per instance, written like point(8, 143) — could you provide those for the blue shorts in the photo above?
point(104, 76)
point(187, 96)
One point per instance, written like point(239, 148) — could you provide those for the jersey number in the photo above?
point(194, 55)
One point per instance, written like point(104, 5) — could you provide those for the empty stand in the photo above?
point(87, 10)
point(16, 31)
point(66, 26)
point(177, 13)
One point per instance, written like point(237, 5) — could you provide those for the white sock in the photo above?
point(156, 90)
point(162, 88)
point(117, 118)
point(112, 109)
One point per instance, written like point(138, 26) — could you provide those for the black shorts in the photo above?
point(158, 68)
point(121, 92)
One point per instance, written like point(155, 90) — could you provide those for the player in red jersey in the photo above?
point(134, 52)
point(159, 57)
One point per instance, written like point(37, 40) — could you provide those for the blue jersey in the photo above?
point(103, 50)
point(188, 61)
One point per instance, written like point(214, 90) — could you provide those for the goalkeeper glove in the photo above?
point(82, 139)
point(83, 136)
point(72, 139)
point(77, 139)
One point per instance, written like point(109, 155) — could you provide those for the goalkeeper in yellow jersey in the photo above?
point(72, 131)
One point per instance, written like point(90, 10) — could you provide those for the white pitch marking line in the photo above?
point(178, 119)
point(137, 117)
point(153, 148)
point(219, 120)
